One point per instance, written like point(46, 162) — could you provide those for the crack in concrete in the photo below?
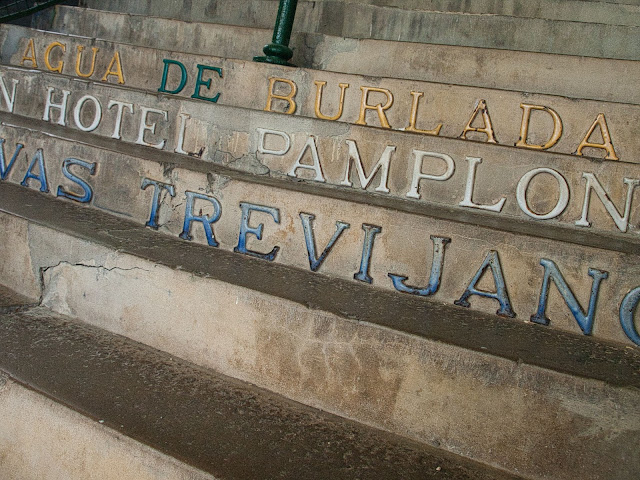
point(45, 269)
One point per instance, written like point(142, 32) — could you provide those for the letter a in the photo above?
point(487, 128)
point(607, 145)
point(30, 55)
point(115, 61)
point(491, 261)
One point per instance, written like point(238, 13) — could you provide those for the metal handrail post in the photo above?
point(278, 50)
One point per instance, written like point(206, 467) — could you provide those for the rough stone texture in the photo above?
point(246, 84)
point(97, 233)
point(503, 69)
point(543, 402)
point(620, 12)
point(41, 439)
point(362, 20)
point(221, 425)
point(469, 402)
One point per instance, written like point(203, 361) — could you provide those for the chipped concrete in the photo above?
point(17, 266)
point(404, 239)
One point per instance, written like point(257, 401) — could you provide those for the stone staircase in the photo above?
point(415, 255)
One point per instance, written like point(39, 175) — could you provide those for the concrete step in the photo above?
point(193, 228)
point(601, 246)
point(469, 29)
point(520, 71)
point(106, 407)
point(432, 373)
point(440, 110)
point(237, 147)
point(620, 12)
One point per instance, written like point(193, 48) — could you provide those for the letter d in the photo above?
point(183, 78)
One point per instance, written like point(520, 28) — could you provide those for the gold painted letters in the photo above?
point(414, 116)
point(287, 98)
point(319, 86)
point(115, 61)
point(47, 59)
point(364, 105)
point(30, 54)
point(79, 62)
point(601, 122)
point(487, 129)
point(524, 127)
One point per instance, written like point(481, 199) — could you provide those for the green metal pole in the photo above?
point(278, 50)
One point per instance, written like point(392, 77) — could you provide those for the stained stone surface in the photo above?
point(397, 279)
point(504, 69)
point(117, 188)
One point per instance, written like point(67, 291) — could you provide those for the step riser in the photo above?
point(627, 12)
point(336, 15)
point(82, 448)
point(254, 141)
point(403, 238)
point(450, 107)
point(370, 374)
point(368, 21)
point(501, 69)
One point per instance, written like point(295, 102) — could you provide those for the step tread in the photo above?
point(214, 423)
point(517, 341)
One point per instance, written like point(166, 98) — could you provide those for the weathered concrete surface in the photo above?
point(503, 69)
point(261, 12)
point(232, 137)
point(224, 426)
point(362, 20)
point(41, 439)
point(620, 12)
point(247, 85)
point(466, 401)
point(404, 237)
